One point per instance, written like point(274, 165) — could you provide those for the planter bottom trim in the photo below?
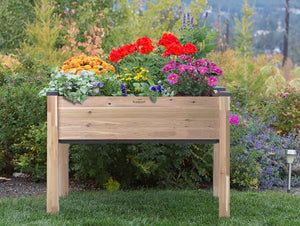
point(164, 141)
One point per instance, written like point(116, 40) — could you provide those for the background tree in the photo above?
point(42, 34)
point(243, 40)
point(13, 16)
point(286, 34)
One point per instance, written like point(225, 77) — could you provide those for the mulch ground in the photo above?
point(23, 187)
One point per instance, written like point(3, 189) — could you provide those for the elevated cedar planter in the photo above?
point(135, 120)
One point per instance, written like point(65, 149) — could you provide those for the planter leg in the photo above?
point(216, 170)
point(52, 156)
point(63, 160)
point(224, 159)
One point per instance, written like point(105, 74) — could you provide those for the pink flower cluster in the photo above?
point(197, 70)
point(234, 119)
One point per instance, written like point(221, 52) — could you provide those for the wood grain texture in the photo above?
point(139, 118)
point(52, 155)
point(224, 159)
point(63, 153)
point(216, 170)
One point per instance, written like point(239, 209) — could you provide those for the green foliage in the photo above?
point(200, 35)
point(21, 107)
point(275, 83)
point(77, 88)
point(285, 108)
point(245, 168)
point(160, 16)
point(34, 146)
point(147, 165)
point(42, 34)
point(244, 29)
point(13, 16)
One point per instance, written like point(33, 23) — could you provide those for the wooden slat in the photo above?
point(224, 159)
point(63, 169)
point(175, 102)
point(52, 155)
point(130, 119)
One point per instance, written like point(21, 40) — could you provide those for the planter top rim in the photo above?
point(221, 91)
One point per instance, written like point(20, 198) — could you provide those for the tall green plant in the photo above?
point(42, 34)
point(243, 40)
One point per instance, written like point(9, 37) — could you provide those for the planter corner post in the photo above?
point(52, 154)
point(224, 157)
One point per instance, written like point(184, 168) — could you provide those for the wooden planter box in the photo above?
point(136, 120)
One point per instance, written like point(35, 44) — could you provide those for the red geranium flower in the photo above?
point(189, 48)
point(144, 45)
point(168, 39)
point(173, 49)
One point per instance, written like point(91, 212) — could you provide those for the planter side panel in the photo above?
point(104, 118)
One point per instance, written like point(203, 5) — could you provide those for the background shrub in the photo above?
point(258, 153)
point(21, 108)
point(144, 165)
point(33, 158)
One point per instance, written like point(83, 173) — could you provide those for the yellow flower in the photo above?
point(125, 69)
point(145, 78)
point(128, 79)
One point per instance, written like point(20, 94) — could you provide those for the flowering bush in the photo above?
point(258, 153)
point(186, 76)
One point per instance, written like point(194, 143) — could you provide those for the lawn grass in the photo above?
point(153, 207)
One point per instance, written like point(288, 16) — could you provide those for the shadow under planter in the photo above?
point(107, 119)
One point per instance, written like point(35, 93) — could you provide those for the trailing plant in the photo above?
point(77, 88)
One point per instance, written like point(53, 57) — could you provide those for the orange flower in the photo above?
point(84, 62)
